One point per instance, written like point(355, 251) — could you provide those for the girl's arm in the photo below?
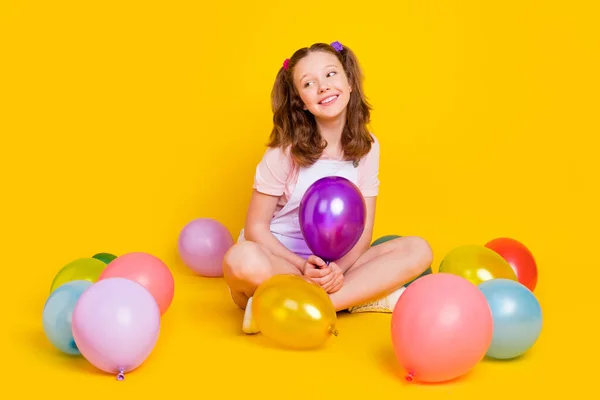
point(364, 242)
point(257, 228)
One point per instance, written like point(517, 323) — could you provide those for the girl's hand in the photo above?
point(329, 277)
point(337, 279)
point(314, 267)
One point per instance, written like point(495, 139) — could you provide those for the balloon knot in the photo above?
point(333, 331)
point(121, 375)
point(409, 377)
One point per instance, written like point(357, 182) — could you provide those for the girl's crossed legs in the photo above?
point(377, 274)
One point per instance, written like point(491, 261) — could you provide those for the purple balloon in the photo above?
point(202, 245)
point(332, 217)
point(116, 323)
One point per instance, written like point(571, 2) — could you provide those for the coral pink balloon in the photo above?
point(147, 270)
point(202, 245)
point(441, 328)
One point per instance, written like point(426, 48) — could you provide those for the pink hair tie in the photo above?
point(286, 64)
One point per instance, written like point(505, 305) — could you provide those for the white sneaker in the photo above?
point(383, 305)
point(249, 325)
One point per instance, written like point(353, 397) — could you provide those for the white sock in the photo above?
point(393, 297)
point(248, 324)
point(384, 305)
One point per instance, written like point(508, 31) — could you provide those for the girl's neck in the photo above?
point(331, 131)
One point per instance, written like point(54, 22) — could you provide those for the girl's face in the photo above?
point(322, 85)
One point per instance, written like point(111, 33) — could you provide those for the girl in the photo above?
point(320, 129)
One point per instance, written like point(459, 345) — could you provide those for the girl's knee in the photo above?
point(419, 250)
point(423, 250)
point(246, 261)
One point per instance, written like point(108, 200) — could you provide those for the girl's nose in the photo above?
point(323, 88)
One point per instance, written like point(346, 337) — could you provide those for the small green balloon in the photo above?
point(104, 257)
point(384, 239)
point(88, 269)
point(426, 272)
point(387, 238)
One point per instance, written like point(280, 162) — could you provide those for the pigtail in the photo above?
point(356, 136)
point(281, 107)
point(293, 126)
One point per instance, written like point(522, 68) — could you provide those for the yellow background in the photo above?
point(121, 119)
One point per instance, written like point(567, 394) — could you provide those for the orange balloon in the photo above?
point(147, 270)
point(520, 259)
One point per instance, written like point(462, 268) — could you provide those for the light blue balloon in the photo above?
point(58, 313)
point(517, 317)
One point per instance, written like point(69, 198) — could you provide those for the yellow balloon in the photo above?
point(477, 264)
point(88, 269)
point(294, 312)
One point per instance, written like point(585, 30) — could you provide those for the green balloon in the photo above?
point(87, 269)
point(426, 272)
point(104, 257)
point(384, 239)
point(390, 237)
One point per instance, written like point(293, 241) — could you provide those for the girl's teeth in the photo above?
point(327, 100)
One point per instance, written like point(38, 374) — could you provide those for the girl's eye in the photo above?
point(331, 73)
point(308, 83)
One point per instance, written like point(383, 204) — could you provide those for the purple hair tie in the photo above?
point(337, 46)
point(286, 64)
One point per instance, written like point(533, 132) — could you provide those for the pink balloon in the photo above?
point(116, 324)
point(441, 328)
point(202, 246)
point(147, 270)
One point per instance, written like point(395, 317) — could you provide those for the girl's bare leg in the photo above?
point(245, 266)
point(380, 272)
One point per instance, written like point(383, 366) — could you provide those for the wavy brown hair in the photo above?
point(297, 128)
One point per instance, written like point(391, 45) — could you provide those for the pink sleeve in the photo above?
point(368, 180)
point(272, 172)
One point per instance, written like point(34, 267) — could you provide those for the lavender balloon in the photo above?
point(116, 323)
point(332, 217)
point(202, 245)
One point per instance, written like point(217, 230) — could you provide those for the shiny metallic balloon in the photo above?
point(58, 314)
point(476, 264)
point(332, 217)
point(294, 312)
point(88, 269)
point(520, 259)
point(517, 317)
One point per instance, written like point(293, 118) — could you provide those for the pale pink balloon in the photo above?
point(441, 328)
point(202, 245)
point(147, 270)
point(116, 325)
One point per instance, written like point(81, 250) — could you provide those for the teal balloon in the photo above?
point(106, 258)
point(58, 313)
point(384, 239)
point(426, 272)
point(517, 317)
point(387, 238)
